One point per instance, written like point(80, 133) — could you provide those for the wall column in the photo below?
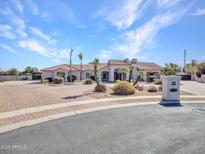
point(111, 74)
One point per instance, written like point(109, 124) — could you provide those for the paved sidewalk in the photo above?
point(193, 87)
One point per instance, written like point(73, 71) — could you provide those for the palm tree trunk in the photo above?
point(70, 67)
point(96, 78)
point(130, 75)
point(81, 65)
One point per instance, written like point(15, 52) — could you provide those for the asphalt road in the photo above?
point(143, 129)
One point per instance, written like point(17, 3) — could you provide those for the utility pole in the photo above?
point(70, 73)
point(184, 59)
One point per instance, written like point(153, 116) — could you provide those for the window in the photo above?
point(87, 75)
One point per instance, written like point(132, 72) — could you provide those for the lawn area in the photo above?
point(22, 94)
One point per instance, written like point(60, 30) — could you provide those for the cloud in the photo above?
point(105, 54)
point(34, 7)
point(22, 33)
point(133, 42)
point(8, 48)
point(18, 5)
point(40, 34)
point(199, 12)
point(123, 16)
point(167, 3)
point(33, 45)
point(52, 53)
point(5, 32)
point(17, 22)
point(44, 14)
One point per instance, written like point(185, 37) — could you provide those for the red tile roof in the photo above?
point(76, 67)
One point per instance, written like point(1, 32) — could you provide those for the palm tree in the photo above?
point(131, 68)
point(191, 67)
point(96, 63)
point(71, 52)
point(80, 55)
point(123, 72)
point(138, 77)
point(170, 69)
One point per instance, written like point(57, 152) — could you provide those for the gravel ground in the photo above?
point(16, 95)
point(22, 94)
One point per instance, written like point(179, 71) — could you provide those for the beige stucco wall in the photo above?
point(13, 78)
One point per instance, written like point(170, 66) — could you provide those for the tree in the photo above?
point(13, 71)
point(30, 69)
point(71, 52)
point(170, 69)
point(96, 63)
point(138, 78)
point(131, 68)
point(201, 68)
point(80, 55)
point(191, 67)
point(123, 72)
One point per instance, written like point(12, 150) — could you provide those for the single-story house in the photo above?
point(107, 71)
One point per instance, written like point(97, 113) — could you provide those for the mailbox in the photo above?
point(171, 88)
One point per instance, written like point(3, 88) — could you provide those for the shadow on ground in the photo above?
point(72, 97)
point(170, 103)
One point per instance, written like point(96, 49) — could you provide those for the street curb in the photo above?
point(82, 102)
point(75, 112)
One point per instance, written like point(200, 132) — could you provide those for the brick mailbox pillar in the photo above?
point(171, 88)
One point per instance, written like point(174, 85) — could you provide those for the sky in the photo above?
point(40, 33)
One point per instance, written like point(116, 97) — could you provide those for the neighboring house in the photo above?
point(107, 71)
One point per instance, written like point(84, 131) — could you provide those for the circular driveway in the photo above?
point(141, 129)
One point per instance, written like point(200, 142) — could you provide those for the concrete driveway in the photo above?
point(194, 87)
point(142, 129)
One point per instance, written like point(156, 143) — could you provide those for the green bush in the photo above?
point(88, 81)
point(124, 88)
point(158, 81)
point(152, 89)
point(117, 81)
point(100, 88)
point(58, 80)
point(45, 81)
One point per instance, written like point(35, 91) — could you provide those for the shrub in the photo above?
point(124, 88)
point(49, 79)
point(152, 89)
point(117, 81)
point(45, 81)
point(88, 81)
point(100, 88)
point(158, 81)
point(198, 74)
point(151, 78)
point(160, 88)
point(140, 88)
point(58, 80)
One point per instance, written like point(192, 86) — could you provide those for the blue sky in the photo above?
point(40, 33)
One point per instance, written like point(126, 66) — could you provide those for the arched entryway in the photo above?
point(105, 76)
point(71, 78)
point(119, 75)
